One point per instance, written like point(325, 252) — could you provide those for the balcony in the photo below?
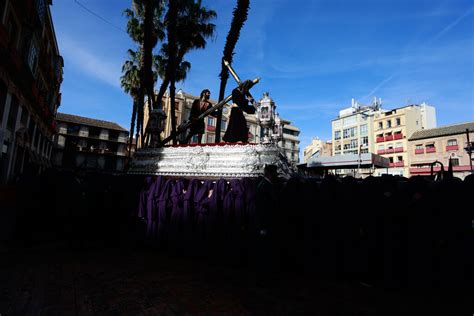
point(452, 147)
point(388, 137)
point(379, 139)
point(419, 151)
point(398, 150)
point(211, 128)
point(399, 163)
point(430, 149)
point(398, 136)
point(380, 152)
point(389, 151)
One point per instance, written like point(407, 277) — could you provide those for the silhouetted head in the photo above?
point(205, 94)
point(270, 172)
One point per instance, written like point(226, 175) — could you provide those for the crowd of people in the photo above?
point(389, 231)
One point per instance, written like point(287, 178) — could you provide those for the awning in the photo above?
point(349, 161)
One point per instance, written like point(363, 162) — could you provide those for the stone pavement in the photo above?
point(56, 280)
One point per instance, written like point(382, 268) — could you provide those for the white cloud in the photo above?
point(89, 63)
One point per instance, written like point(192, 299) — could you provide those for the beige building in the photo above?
point(317, 148)
point(441, 144)
point(89, 144)
point(184, 101)
point(392, 130)
point(352, 130)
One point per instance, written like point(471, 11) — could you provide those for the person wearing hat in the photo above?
point(199, 106)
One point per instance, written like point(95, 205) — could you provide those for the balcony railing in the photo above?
point(399, 163)
point(398, 136)
point(379, 139)
point(389, 150)
point(211, 128)
point(388, 137)
point(452, 147)
point(430, 149)
point(398, 150)
point(419, 151)
point(380, 152)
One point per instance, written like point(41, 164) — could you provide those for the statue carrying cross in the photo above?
point(238, 93)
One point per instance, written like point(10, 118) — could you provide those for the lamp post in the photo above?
point(266, 117)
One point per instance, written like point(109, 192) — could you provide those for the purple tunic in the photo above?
point(176, 221)
point(153, 195)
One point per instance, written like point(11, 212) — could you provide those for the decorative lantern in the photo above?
point(156, 125)
point(266, 117)
point(277, 129)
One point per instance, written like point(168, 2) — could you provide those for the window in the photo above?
point(364, 130)
point(209, 139)
point(223, 125)
point(113, 135)
point(210, 121)
point(351, 120)
point(452, 142)
point(430, 146)
point(400, 145)
point(94, 132)
point(13, 30)
point(454, 162)
point(12, 114)
point(381, 147)
point(419, 147)
point(350, 132)
point(389, 123)
point(24, 116)
point(73, 129)
point(380, 125)
point(398, 121)
point(391, 159)
point(33, 56)
point(365, 140)
point(3, 99)
point(337, 135)
point(400, 158)
point(41, 9)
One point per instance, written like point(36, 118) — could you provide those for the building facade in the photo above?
point(183, 104)
point(441, 144)
point(352, 130)
point(393, 129)
point(30, 80)
point(89, 144)
point(317, 148)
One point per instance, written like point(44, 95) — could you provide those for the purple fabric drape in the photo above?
point(163, 211)
point(142, 207)
point(188, 212)
point(176, 221)
point(201, 206)
point(153, 195)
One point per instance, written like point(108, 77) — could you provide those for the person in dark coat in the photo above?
point(237, 130)
point(266, 208)
point(199, 106)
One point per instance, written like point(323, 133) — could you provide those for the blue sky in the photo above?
point(312, 56)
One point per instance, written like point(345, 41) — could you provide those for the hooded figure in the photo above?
point(237, 130)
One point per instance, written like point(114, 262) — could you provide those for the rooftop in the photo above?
point(443, 131)
point(63, 117)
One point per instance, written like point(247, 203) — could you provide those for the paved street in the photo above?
point(54, 280)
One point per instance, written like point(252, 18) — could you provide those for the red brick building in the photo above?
point(31, 70)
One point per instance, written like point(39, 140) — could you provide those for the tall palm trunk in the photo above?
point(172, 39)
point(238, 20)
point(132, 125)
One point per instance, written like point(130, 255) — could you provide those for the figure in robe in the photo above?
point(237, 130)
point(199, 107)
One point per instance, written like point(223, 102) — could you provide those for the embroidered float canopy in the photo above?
point(210, 161)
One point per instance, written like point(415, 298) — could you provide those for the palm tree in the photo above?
point(188, 23)
point(238, 20)
point(145, 27)
point(130, 82)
